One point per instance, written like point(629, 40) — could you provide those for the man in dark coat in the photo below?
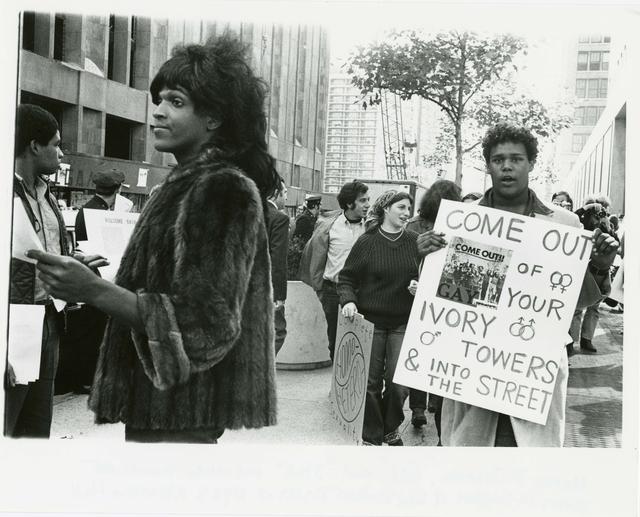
point(278, 235)
point(306, 221)
point(108, 184)
point(86, 324)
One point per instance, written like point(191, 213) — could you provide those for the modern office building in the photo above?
point(93, 73)
point(601, 165)
point(587, 65)
point(352, 135)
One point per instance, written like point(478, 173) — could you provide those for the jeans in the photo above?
point(172, 436)
point(383, 411)
point(280, 324)
point(585, 326)
point(28, 409)
point(330, 302)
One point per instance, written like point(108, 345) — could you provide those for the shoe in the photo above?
point(84, 389)
point(393, 439)
point(570, 350)
point(587, 347)
point(418, 418)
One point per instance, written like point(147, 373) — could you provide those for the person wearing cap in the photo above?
point(306, 221)
point(108, 184)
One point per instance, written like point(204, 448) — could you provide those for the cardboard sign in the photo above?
point(492, 310)
point(108, 234)
point(350, 374)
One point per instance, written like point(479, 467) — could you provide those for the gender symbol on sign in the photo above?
point(428, 337)
point(409, 364)
point(349, 380)
point(561, 280)
point(524, 332)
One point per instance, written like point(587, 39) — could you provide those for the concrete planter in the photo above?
point(306, 345)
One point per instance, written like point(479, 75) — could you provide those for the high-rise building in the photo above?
point(588, 77)
point(93, 73)
point(351, 136)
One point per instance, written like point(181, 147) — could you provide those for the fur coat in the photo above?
point(198, 260)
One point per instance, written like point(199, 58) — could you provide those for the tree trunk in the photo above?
point(459, 154)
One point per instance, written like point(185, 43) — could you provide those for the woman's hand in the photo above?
point(430, 241)
point(349, 310)
point(413, 287)
point(66, 278)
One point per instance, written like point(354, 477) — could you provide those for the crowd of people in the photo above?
point(191, 326)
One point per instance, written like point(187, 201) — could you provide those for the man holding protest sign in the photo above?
point(510, 153)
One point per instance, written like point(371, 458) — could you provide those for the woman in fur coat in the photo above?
point(189, 348)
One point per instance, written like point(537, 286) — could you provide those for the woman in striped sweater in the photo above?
point(374, 282)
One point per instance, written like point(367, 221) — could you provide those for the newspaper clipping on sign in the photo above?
point(350, 374)
point(491, 314)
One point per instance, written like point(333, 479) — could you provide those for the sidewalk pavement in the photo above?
point(594, 405)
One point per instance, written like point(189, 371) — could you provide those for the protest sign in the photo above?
point(350, 374)
point(492, 310)
point(108, 234)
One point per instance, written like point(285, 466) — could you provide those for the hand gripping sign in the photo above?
point(492, 310)
point(350, 374)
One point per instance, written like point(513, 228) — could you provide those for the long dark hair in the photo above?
point(218, 79)
point(430, 202)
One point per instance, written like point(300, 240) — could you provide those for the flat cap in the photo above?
point(108, 179)
point(313, 197)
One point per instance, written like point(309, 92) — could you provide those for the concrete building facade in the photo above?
point(93, 74)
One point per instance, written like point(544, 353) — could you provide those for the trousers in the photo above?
point(330, 303)
point(280, 324)
point(383, 410)
point(28, 409)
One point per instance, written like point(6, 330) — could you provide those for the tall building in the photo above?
point(93, 73)
point(600, 167)
point(588, 76)
point(351, 136)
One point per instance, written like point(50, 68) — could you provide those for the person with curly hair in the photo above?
point(375, 282)
point(510, 154)
point(189, 347)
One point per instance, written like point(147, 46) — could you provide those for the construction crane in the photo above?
point(393, 136)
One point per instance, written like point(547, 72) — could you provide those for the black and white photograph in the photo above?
point(474, 273)
point(201, 191)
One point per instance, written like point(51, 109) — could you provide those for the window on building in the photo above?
point(595, 59)
point(295, 177)
point(578, 141)
point(58, 37)
point(134, 35)
point(117, 138)
point(581, 88)
point(583, 60)
point(591, 115)
point(596, 89)
point(596, 38)
point(607, 39)
point(605, 61)
point(29, 30)
point(112, 29)
point(583, 39)
point(602, 93)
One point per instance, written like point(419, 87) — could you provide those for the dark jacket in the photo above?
point(23, 274)
point(198, 260)
point(278, 235)
point(305, 223)
point(95, 203)
point(314, 255)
